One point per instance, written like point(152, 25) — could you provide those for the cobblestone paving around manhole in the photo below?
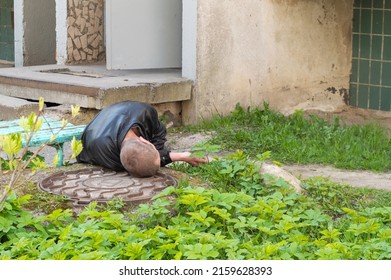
point(101, 185)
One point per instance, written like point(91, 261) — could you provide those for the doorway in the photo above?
point(143, 34)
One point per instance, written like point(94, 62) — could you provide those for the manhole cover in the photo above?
point(102, 185)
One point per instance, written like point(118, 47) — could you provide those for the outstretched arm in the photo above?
point(186, 157)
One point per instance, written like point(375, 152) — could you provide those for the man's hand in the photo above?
point(186, 157)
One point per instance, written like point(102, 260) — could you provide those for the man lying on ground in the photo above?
point(129, 136)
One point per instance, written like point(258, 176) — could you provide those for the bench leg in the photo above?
point(60, 152)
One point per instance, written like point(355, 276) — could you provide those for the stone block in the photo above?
point(71, 21)
point(91, 13)
point(96, 42)
point(91, 38)
point(71, 32)
point(78, 12)
point(76, 55)
point(98, 13)
point(90, 29)
point(77, 42)
point(95, 54)
point(77, 32)
point(78, 21)
point(85, 12)
point(82, 24)
point(14, 108)
point(83, 55)
point(83, 40)
point(279, 172)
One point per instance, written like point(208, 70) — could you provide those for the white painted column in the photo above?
point(189, 39)
point(61, 31)
point(19, 32)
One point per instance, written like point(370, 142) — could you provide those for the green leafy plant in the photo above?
point(204, 149)
point(6, 163)
point(190, 222)
point(20, 158)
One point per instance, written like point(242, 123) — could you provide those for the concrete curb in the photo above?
point(13, 108)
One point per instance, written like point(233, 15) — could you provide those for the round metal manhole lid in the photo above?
point(102, 185)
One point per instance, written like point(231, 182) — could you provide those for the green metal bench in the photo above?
point(49, 127)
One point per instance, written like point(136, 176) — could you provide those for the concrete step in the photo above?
point(13, 108)
point(93, 86)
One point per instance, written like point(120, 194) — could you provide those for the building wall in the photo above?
point(293, 54)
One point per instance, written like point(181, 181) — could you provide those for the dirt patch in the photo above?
point(355, 178)
point(352, 115)
point(64, 111)
point(180, 141)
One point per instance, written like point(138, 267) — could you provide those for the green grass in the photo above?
point(297, 139)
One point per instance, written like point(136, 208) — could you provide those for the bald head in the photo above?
point(139, 158)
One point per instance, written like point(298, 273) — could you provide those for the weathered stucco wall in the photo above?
point(289, 53)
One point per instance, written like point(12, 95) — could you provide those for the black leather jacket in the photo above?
point(103, 136)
